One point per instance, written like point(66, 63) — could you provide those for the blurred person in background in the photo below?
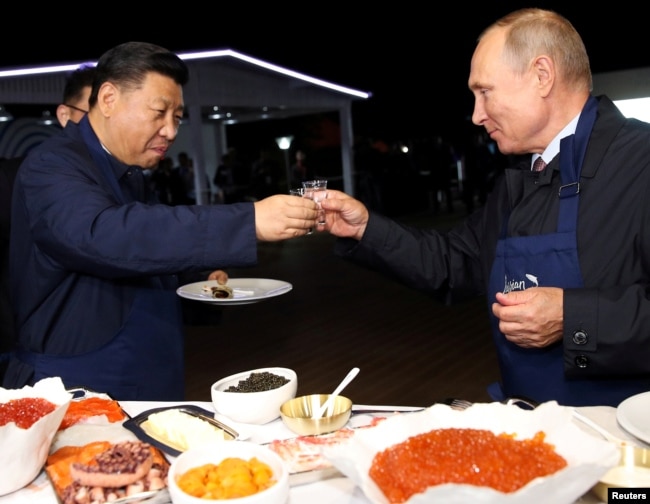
point(94, 261)
point(561, 251)
point(224, 179)
point(265, 175)
point(299, 170)
point(76, 92)
point(167, 184)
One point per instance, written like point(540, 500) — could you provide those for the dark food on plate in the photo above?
point(464, 456)
point(102, 471)
point(25, 411)
point(259, 382)
point(221, 292)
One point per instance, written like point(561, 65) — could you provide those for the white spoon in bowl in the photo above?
point(327, 405)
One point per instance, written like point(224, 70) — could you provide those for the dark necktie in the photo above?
point(539, 164)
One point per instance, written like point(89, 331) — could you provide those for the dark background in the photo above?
point(413, 59)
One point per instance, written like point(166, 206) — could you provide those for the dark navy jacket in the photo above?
point(79, 253)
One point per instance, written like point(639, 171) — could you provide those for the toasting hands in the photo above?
point(280, 217)
point(345, 216)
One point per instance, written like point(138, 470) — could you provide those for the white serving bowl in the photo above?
point(23, 452)
point(217, 452)
point(253, 407)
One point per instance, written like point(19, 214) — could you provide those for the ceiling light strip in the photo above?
point(201, 55)
point(274, 68)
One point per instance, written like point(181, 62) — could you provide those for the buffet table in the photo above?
point(334, 490)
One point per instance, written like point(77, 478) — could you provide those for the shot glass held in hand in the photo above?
point(316, 190)
point(300, 192)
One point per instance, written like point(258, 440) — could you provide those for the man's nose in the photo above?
point(478, 115)
point(169, 129)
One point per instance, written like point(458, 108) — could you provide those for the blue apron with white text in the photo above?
point(145, 360)
point(549, 260)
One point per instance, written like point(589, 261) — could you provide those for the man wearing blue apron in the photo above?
point(549, 260)
point(93, 260)
point(562, 254)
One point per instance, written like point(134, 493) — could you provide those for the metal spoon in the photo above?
point(327, 405)
point(600, 430)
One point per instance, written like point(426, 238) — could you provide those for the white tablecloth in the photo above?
point(329, 491)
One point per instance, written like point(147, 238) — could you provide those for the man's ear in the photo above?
point(544, 69)
point(107, 98)
point(63, 115)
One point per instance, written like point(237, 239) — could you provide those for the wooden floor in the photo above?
point(410, 349)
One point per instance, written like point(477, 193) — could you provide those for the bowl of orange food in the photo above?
point(487, 453)
point(29, 420)
point(239, 472)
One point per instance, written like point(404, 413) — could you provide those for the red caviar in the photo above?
point(25, 411)
point(462, 456)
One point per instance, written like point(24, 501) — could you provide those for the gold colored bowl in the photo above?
point(632, 471)
point(297, 414)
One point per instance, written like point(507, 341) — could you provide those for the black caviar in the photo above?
point(259, 382)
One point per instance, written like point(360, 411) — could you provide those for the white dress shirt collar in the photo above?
point(554, 147)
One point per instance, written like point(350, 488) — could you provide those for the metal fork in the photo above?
point(522, 402)
point(458, 404)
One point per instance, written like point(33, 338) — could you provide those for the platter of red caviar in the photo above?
point(488, 453)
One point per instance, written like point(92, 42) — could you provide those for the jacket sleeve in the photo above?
point(444, 263)
point(607, 323)
point(78, 224)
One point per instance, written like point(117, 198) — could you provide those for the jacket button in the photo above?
point(582, 361)
point(580, 337)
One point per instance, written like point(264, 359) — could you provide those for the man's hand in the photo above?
point(532, 318)
point(345, 216)
point(220, 276)
point(280, 217)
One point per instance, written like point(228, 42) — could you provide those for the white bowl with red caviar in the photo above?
point(29, 420)
point(587, 457)
point(254, 396)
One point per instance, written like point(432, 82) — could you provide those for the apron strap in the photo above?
point(572, 153)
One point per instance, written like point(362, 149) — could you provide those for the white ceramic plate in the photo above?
point(633, 415)
point(245, 290)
